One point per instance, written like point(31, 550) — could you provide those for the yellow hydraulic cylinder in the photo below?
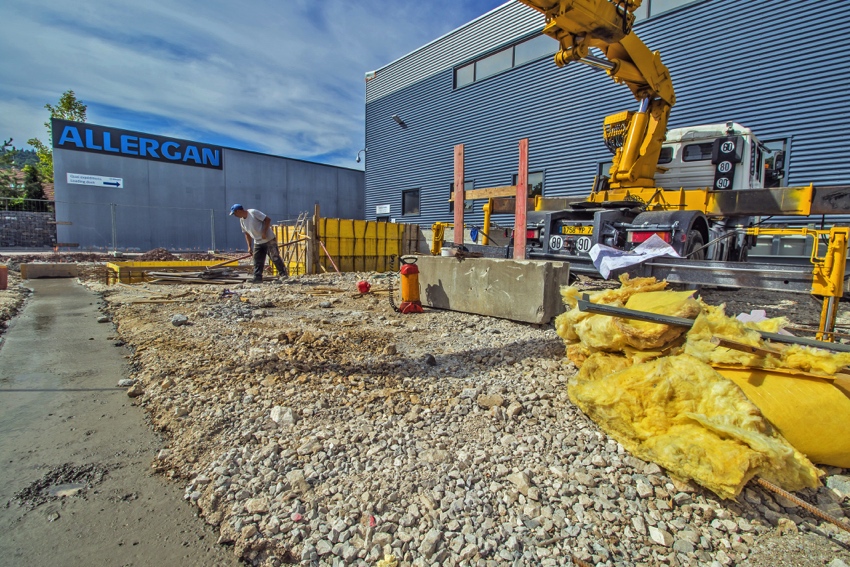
point(631, 148)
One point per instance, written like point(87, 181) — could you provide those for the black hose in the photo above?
point(390, 284)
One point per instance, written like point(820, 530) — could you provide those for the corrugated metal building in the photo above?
point(492, 81)
point(137, 191)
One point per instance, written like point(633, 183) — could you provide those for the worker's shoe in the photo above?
point(256, 281)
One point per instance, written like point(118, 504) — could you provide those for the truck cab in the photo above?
point(693, 158)
point(707, 158)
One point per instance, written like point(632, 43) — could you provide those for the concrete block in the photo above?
point(520, 290)
point(34, 271)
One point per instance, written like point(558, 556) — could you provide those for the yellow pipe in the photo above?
point(487, 207)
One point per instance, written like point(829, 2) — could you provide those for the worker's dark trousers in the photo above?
point(260, 251)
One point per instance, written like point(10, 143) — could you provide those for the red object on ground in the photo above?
point(4, 276)
point(363, 286)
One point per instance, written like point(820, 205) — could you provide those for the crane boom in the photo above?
point(635, 138)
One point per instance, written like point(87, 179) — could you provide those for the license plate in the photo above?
point(576, 229)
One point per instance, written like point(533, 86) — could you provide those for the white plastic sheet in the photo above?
point(607, 259)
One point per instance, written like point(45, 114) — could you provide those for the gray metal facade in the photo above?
point(184, 208)
point(730, 60)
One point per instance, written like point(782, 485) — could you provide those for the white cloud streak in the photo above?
point(282, 77)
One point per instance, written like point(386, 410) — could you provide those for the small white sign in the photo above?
point(382, 210)
point(95, 180)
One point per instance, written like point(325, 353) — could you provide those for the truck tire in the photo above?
point(695, 242)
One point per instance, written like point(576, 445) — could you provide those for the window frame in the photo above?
point(418, 193)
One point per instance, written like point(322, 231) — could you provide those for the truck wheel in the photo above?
point(695, 242)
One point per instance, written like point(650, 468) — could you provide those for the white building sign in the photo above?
point(95, 180)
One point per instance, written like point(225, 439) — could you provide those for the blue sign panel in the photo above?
point(84, 137)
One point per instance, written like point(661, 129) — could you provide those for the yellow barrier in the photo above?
point(354, 245)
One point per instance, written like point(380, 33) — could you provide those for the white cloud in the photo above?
point(277, 77)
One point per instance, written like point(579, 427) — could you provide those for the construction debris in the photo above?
point(221, 276)
point(702, 394)
point(157, 255)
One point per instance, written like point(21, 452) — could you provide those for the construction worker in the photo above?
point(261, 240)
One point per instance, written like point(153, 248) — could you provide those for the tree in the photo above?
point(33, 188)
point(69, 108)
point(8, 181)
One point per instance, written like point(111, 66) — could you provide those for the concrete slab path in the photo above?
point(62, 418)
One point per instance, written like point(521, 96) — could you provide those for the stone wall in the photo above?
point(22, 229)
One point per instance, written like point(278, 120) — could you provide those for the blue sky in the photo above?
point(284, 77)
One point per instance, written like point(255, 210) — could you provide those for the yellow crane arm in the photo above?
point(635, 138)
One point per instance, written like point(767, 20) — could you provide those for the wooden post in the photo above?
point(459, 194)
point(520, 222)
point(312, 255)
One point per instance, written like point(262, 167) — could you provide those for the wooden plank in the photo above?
point(743, 347)
point(458, 195)
point(520, 223)
point(488, 192)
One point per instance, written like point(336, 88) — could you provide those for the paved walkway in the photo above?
point(59, 405)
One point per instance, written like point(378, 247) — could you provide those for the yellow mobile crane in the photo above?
point(713, 224)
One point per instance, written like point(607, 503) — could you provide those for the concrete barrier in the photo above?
point(520, 290)
point(35, 271)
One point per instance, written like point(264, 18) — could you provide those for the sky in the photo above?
point(283, 77)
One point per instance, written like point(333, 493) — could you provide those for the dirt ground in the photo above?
point(207, 385)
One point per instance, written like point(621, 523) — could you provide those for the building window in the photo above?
point(464, 75)
point(467, 204)
point(533, 49)
point(535, 183)
point(410, 202)
point(494, 63)
point(652, 8)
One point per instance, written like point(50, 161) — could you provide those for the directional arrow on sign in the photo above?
point(114, 184)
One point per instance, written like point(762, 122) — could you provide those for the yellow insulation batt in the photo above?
point(705, 412)
point(680, 413)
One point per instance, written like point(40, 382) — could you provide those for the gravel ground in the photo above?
point(310, 424)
